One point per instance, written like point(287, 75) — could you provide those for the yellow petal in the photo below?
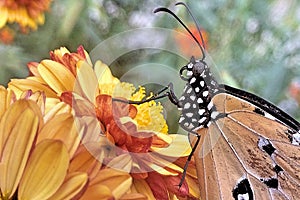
point(160, 164)
point(57, 76)
point(45, 171)
point(4, 16)
point(104, 74)
point(72, 185)
point(62, 128)
point(117, 181)
point(134, 196)
point(193, 187)
point(54, 107)
point(142, 187)
point(7, 96)
point(21, 85)
point(179, 147)
point(84, 161)
point(18, 129)
point(86, 81)
point(100, 192)
point(122, 162)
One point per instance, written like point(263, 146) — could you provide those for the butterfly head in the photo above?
point(195, 68)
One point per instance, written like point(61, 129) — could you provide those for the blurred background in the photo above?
point(254, 44)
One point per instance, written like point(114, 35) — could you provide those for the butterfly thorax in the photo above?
point(197, 109)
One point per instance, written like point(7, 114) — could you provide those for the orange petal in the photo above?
point(72, 185)
point(172, 185)
point(45, 172)
point(18, 129)
point(158, 186)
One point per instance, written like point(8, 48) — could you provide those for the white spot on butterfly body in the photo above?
point(190, 66)
point(210, 105)
point(182, 98)
point(181, 119)
point(201, 111)
point(194, 105)
point(192, 80)
point(202, 120)
point(205, 93)
point(197, 89)
point(199, 100)
point(214, 114)
point(208, 124)
point(189, 73)
point(187, 106)
point(190, 115)
point(189, 90)
point(202, 83)
point(193, 97)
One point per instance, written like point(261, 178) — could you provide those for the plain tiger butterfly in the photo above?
point(246, 147)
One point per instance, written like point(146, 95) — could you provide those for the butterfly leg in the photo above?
point(194, 147)
point(167, 91)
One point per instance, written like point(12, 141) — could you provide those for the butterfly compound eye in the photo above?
point(198, 68)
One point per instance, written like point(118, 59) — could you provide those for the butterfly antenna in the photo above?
point(195, 21)
point(163, 9)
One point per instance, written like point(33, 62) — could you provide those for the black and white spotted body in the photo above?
point(197, 109)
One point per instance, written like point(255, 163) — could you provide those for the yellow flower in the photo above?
point(124, 149)
point(27, 13)
point(30, 169)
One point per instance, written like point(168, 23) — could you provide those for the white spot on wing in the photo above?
point(296, 138)
point(197, 89)
point(189, 73)
point(267, 115)
point(243, 196)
